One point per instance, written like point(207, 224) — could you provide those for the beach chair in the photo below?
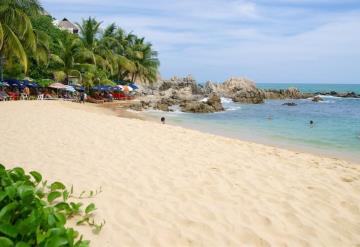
point(40, 97)
point(24, 96)
point(4, 96)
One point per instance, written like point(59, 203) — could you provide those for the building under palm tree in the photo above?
point(65, 24)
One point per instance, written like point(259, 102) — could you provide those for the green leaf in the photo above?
point(5, 242)
point(57, 242)
point(57, 186)
point(25, 192)
point(65, 195)
point(22, 244)
point(7, 209)
point(8, 230)
point(37, 176)
point(63, 206)
point(3, 194)
point(60, 218)
point(53, 195)
point(90, 208)
point(51, 220)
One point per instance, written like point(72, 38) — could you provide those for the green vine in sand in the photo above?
point(33, 213)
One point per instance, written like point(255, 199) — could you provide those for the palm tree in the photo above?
point(89, 28)
point(103, 57)
point(73, 58)
point(16, 33)
point(145, 60)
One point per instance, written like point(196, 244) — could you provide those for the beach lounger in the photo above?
point(40, 97)
point(93, 100)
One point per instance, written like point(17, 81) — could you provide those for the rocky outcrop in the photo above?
point(290, 104)
point(214, 101)
point(317, 99)
point(290, 93)
point(178, 83)
point(249, 97)
point(341, 95)
point(213, 104)
point(238, 89)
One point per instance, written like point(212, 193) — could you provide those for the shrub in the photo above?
point(35, 214)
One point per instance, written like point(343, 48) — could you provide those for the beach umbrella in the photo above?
point(57, 85)
point(14, 83)
point(116, 89)
point(102, 88)
point(27, 83)
point(133, 86)
point(4, 84)
point(127, 89)
point(119, 87)
point(70, 89)
point(79, 88)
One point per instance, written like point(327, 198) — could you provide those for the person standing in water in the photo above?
point(311, 123)
point(162, 120)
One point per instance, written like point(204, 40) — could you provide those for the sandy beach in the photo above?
point(169, 186)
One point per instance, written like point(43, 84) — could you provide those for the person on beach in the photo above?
point(82, 97)
point(162, 120)
point(27, 92)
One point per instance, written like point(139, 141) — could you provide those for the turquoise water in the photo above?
point(335, 133)
point(313, 88)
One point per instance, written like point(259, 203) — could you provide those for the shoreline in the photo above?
point(298, 148)
point(166, 185)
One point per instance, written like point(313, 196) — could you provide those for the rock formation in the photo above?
point(317, 99)
point(238, 89)
point(290, 93)
point(213, 104)
point(290, 104)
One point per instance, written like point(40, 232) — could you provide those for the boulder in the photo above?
point(290, 93)
point(178, 83)
point(215, 101)
point(213, 104)
point(249, 97)
point(317, 99)
point(136, 107)
point(290, 104)
point(239, 89)
point(197, 107)
point(161, 107)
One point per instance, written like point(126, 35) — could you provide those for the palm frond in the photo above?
point(14, 46)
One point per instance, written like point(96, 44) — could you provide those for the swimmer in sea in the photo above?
point(311, 123)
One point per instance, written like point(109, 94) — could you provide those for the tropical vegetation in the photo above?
point(32, 46)
point(33, 213)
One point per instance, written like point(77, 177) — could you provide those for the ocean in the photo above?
point(335, 132)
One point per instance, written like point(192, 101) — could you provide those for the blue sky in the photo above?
point(289, 41)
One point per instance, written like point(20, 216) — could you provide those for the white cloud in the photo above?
point(287, 40)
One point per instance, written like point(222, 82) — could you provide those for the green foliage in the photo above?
point(44, 82)
point(34, 214)
point(35, 47)
point(59, 76)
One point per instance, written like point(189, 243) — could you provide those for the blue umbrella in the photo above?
point(102, 88)
point(79, 88)
point(134, 86)
point(70, 89)
point(4, 84)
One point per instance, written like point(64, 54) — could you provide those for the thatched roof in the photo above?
point(66, 24)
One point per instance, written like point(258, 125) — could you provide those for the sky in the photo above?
point(269, 41)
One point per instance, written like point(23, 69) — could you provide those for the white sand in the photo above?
point(169, 186)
